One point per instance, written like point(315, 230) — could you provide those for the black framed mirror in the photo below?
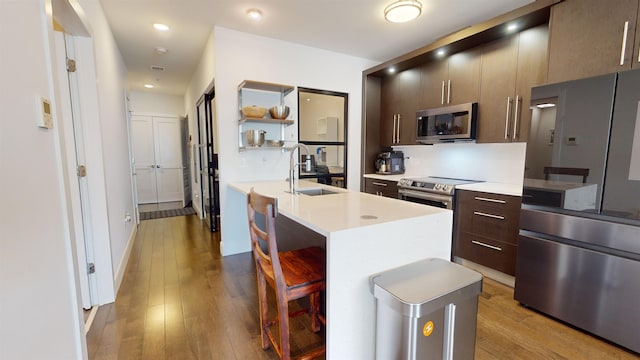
point(322, 126)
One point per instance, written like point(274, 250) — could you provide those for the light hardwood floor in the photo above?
point(181, 300)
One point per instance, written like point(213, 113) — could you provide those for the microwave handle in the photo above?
point(506, 120)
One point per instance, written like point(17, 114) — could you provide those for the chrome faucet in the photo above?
point(292, 166)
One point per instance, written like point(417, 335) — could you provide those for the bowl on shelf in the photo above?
point(279, 111)
point(275, 143)
point(254, 111)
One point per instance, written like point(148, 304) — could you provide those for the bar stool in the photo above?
point(292, 275)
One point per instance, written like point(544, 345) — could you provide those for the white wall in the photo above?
point(500, 163)
point(111, 76)
point(39, 306)
point(240, 56)
point(200, 83)
point(151, 102)
point(39, 309)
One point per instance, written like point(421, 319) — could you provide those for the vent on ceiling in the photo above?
point(157, 68)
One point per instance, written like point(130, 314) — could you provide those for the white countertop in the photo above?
point(336, 212)
point(494, 188)
point(394, 177)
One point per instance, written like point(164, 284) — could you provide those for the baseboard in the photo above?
point(92, 315)
point(496, 275)
point(122, 267)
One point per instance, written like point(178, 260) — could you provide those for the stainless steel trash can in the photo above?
point(426, 310)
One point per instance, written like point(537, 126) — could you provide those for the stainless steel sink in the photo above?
point(315, 191)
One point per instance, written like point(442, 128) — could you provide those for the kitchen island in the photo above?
point(364, 234)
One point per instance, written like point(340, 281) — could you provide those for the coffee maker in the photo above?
point(390, 162)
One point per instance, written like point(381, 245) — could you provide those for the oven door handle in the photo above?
point(425, 195)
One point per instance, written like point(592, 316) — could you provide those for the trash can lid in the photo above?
point(422, 281)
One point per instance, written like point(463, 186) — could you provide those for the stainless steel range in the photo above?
point(432, 190)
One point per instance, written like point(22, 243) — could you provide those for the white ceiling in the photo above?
point(354, 27)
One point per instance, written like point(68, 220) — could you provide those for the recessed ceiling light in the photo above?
point(160, 27)
point(545, 105)
point(402, 11)
point(148, 86)
point(440, 52)
point(254, 14)
point(392, 70)
point(512, 27)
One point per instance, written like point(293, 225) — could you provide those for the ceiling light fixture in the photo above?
point(159, 50)
point(160, 27)
point(403, 11)
point(148, 86)
point(254, 14)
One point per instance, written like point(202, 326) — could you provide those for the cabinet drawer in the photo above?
point(495, 254)
point(386, 188)
point(493, 216)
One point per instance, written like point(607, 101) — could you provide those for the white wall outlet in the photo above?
point(44, 117)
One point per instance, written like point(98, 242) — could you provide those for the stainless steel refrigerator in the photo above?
point(579, 245)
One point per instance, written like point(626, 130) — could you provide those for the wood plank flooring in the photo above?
point(180, 299)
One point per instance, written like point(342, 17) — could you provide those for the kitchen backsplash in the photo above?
point(500, 163)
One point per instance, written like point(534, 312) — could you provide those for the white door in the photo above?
point(144, 153)
point(168, 159)
point(75, 160)
point(158, 160)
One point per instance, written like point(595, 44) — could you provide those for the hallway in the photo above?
point(181, 300)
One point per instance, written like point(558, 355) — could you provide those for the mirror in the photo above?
point(322, 126)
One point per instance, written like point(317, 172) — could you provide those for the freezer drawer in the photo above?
point(595, 291)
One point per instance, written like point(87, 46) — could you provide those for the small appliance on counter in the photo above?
point(390, 162)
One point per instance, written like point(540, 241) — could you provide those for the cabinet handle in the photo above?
point(490, 200)
point(398, 132)
point(379, 184)
point(486, 245)
point(506, 120)
point(393, 136)
point(624, 42)
point(448, 91)
point(488, 215)
point(516, 118)
point(442, 94)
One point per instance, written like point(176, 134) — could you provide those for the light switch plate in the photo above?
point(44, 118)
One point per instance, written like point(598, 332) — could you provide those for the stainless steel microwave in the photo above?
point(447, 124)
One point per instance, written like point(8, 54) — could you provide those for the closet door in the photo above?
point(145, 164)
point(168, 157)
point(157, 150)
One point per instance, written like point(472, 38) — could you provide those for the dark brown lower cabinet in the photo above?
point(486, 229)
point(386, 188)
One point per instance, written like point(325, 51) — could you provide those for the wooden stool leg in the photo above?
point(314, 308)
point(283, 319)
point(264, 309)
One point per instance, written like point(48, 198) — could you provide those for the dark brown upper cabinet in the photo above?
point(593, 37)
point(510, 67)
point(398, 106)
point(450, 81)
